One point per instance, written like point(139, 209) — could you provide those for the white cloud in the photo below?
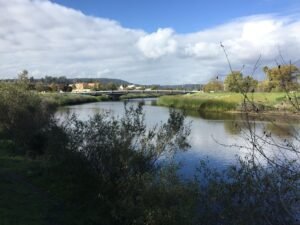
point(47, 38)
point(158, 44)
point(203, 50)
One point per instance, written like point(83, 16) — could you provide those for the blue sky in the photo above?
point(182, 15)
point(146, 41)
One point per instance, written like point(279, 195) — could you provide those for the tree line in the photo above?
point(278, 79)
point(113, 171)
point(64, 84)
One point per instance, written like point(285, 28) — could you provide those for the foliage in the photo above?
point(111, 86)
point(213, 86)
point(24, 117)
point(282, 78)
point(222, 102)
point(195, 103)
point(271, 164)
point(143, 95)
point(249, 84)
point(112, 170)
point(122, 157)
point(64, 99)
point(235, 82)
point(246, 194)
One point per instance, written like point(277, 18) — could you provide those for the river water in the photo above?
point(212, 137)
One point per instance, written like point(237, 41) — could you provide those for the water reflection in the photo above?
point(210, 132)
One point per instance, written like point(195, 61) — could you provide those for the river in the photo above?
point(211, 138)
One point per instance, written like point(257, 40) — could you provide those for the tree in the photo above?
point(121, 155)
point(111, 86)
point(248, 84)
point(23, 76)
point(97, 86)
point(24, 117)
point(40, 87)
point(233, 82)
point(214, 86)
point(271, 181)
point(282, 77)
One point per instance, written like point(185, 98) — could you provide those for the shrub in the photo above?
point(122, 156)
point(24, 117)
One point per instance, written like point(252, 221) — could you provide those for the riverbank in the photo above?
point(39, 191)
point(132, 96)
point(64, 99)
point(226, 102)
point(22, 201)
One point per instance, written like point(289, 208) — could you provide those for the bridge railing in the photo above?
point(123, 92)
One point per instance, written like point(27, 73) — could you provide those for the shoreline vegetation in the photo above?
point(266, 103)
point(106, 170)
point(269, 104)
point(65, 99)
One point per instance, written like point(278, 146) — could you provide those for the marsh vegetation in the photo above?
point(107, 170)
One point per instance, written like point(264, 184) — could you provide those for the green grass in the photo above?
point(222, 102)
point(130, 96)
point(22, 203)
point(42, 192)
point(70, 99)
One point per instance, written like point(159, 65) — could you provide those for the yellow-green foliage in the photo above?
point(281, 77)
point(70, 99)
point(219, 102)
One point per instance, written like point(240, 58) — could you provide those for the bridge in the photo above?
point(118, 93)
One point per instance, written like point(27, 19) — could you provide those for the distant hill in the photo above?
point(179, 86)
point(63, 80)
point(101, 80)
point(50, 79)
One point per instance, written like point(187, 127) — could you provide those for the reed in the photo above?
point(223, 102)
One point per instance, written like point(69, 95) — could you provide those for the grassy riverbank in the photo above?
point(131, 96)
point(39, 191)
point(64, 99)
point(71, 99)
point(22, 202)
point(105, 171)
point(225, 102)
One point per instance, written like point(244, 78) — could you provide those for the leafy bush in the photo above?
point(24, 117)
point(245, 194)
point(122, 156)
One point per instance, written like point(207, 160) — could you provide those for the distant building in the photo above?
point(131, 87)
point(82, 86)
point(91, 85)
point(79, 86)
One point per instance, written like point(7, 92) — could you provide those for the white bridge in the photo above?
point(117, 93)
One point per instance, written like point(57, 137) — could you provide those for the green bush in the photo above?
point(246, 195)
point(24, 117)
point(123, 180)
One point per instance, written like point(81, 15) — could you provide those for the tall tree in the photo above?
point(233, 81)
point(281, 77)
point(213, 85)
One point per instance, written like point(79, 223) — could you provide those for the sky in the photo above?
point(146, 42)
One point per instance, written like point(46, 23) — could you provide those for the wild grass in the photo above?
point(39, 191)
point(21, 202)
point(70, 99)
point(221, 102)
point(145, 95)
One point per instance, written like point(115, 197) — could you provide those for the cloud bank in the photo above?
point(49, 39)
